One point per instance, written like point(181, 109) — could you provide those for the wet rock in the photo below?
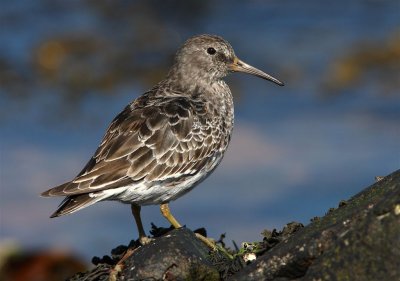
point(358, 241)
point(178, 255)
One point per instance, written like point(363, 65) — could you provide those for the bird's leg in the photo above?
point(143, 239)
point(136, 214)
point(167, 214)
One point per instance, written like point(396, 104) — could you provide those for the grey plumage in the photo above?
point(167, 140)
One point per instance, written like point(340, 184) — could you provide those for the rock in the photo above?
point(36, 265)
point(178, 255)
point(360, 240)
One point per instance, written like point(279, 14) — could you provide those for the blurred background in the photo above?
point(68, 67)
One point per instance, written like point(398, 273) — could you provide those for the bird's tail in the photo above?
point(74, 203)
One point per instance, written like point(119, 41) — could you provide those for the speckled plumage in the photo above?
point(167, 140)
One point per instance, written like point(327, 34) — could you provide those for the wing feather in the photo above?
point(159, 141)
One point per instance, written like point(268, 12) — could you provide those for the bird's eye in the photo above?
point(211, 51)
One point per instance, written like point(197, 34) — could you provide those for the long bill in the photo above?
point(239, 66)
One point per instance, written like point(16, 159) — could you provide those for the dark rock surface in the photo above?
point(360, 240)
point(176, 255)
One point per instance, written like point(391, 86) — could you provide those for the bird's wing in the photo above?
point(165, 140)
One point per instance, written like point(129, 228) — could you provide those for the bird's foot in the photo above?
point(144, 240)
point(120, 264)
point(209, 242)
point(213, 246)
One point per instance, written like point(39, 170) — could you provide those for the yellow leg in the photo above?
point(136, 214)
point(208, 242)
point(167, 214)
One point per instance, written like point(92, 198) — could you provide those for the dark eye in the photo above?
point(211, 51)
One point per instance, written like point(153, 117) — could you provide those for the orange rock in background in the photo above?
point(39, 266)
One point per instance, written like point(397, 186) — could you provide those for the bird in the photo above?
point(166, 141)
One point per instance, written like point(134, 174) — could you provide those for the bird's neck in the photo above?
point(215, 92)
point(189, 79)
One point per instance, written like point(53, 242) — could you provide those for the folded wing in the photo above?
point(162, 141)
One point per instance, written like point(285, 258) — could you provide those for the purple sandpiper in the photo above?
point(166, 141)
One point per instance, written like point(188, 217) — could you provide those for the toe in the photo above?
point(144, 240)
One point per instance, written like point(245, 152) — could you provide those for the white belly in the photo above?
point(151, 193)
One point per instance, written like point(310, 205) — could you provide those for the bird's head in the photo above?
point(209, 58)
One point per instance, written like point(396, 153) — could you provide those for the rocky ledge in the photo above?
point(359, 240)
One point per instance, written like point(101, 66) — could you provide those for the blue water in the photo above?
point(295, 152)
